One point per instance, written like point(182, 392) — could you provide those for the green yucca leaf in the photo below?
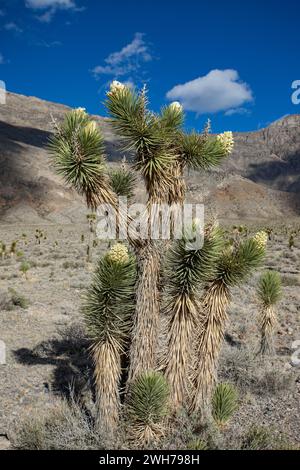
point(77, 152)
point(148, 135)
point(197, 444)
point(257, 438)
point(171, 119)
point(148, 398)
point(109, 302)
point(123, 182)
point(237, 264)
point(186, 268)
point(269, 288)
point(201, 151)
point(137, 127)
point(224, 403)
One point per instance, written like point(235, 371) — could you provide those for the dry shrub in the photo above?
point(65, 426)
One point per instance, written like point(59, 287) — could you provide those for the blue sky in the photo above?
point(231, 61)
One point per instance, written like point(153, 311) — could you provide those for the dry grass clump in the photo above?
point(250, 374)
point(11, 299)
point(63, 427)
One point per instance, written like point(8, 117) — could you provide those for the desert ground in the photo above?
point(46, 348)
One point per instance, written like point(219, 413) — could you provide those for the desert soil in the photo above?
point(41, 360)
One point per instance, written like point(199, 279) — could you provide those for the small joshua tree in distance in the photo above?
point(269, 293)
point(24, 268)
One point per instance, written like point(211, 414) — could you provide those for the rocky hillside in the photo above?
point(261, 179)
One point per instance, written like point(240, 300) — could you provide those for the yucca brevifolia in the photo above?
point(269, 293)
point(147, 406)
point(108, 309)
point(161, 153)
point(186, 268)
point(151, 138)
point(235, 265)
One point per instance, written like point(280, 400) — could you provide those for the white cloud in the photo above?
point(233, 111)
point(219, 90)
point(51, 7)
point(43, 4)
point(126, 61)
point(2, 61)
point(13, 27)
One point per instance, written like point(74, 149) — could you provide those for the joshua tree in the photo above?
point(234, 267)
point(269, 293)
point(291, 241)
point(108, 309)
point(3, 250)
point(161, 151)
point(24, 268)
point(13, 248)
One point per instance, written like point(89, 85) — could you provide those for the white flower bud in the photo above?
point(80, 110)
point(115, 87)
point(261, 239)
point(227, 141)
point(118, 254)
point(91, 126)
point(176, 106)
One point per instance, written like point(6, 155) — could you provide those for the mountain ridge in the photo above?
point(260, 179)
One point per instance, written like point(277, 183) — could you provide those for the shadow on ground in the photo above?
point(72, 364)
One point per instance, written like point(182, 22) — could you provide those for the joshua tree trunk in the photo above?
point(210, 336)
point(146, 319)
point(268, 323)
point(180, 348)
point(107, 375)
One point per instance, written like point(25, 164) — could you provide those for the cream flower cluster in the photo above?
point(176, 106)
point(116, 87)
point(261, 239)
point(91, 126)
point(227, 141)
point(80, 110)
point(118, 254)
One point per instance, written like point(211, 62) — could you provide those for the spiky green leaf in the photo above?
point(109, 302)
point(269, 288)
point(123, 182)
point(201, 151)
point(77, 152)
point(186, 268)
point(224, 403)
point(238, 263)
point(148, 398)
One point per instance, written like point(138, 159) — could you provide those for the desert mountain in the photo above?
point(260, 180)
